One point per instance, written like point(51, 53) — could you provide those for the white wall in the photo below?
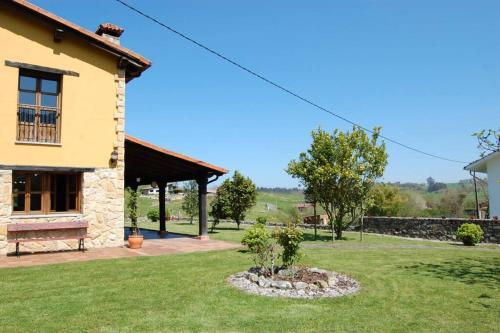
point(494, 186)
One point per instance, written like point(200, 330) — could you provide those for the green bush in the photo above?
point(289, 238)
point(261, 244)
point(470, 234)
point(255, 236)
point(154, 215)
point(262, 220)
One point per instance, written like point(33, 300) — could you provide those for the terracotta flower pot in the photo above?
point(135, 241)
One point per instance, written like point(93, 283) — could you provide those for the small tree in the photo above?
point(190, 201)
point(220, 205)
point(289, 238)
point(342, 168)
point(132, 210)
point(262, 245)
point(433, 186)
point(385, 200)
point(293, 216)
point(233, 198)
point(488, 141)
point(262, 220)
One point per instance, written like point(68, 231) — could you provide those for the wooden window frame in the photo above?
point(37, 131)
point(46, 184)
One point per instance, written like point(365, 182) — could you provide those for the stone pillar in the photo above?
point(202, 208)
point(5, 207)
point(161, 204)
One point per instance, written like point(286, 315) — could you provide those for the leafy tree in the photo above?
point(233, 198)
point(341, 168)
point(488, 140)
point(293, 216)
point(385, 200)
point(190, 201)
point(413, 204)
point(452, 203)
point(433, 186)
point(220, 205)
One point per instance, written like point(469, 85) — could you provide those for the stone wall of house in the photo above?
point(5, 207)
point(102, 200)
point(430, 228)
point(102, 208)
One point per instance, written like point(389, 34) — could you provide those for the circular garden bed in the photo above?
point(296, 282)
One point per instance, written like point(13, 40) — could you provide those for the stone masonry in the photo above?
point(429, 228)
point(102, 204)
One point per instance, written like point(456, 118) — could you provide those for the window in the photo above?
point(45, 193)
point(39, 107)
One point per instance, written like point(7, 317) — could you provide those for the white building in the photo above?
point(490, 165)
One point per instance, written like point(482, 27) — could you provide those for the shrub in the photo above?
point(293, 216)
point(262, 220)
point(154, 215)
point(470, 233)
point(132, 209)
point(261, 244)
point(289, 238)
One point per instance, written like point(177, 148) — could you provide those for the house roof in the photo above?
point(136, 63)
point(481, 164)
point(153, 163)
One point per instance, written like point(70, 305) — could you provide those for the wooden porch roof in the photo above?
point(150, 163)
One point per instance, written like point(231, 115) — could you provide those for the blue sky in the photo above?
point(427, 71)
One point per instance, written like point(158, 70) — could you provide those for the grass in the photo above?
point(407, 286)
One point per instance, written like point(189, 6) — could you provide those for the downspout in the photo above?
point(213, 180)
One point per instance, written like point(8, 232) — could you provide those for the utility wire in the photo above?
point(276, 85)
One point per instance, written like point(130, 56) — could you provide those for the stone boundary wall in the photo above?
point(413, 227)
point(429, 228)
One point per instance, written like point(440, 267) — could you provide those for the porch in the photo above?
point(146, 164)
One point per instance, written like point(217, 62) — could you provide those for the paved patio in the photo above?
point(151, 247)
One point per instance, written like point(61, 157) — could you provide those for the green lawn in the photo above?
point(407, 286)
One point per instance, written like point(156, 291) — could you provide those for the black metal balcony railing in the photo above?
point(38, 124)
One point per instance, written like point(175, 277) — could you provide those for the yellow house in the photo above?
point(62, 139)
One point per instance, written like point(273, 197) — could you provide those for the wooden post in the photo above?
point(202, 208)
point(161, 199)
point(478, 214)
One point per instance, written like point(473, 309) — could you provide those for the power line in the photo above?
point(276, 85)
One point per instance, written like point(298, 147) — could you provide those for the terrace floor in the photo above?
point(173, 243)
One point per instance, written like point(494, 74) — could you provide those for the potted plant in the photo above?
point(135, 239)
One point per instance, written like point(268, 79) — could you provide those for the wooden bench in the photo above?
point(19, 229)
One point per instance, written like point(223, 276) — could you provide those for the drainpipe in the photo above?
point(473, 174)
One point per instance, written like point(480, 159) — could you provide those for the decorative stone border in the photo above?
point(337, 285)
